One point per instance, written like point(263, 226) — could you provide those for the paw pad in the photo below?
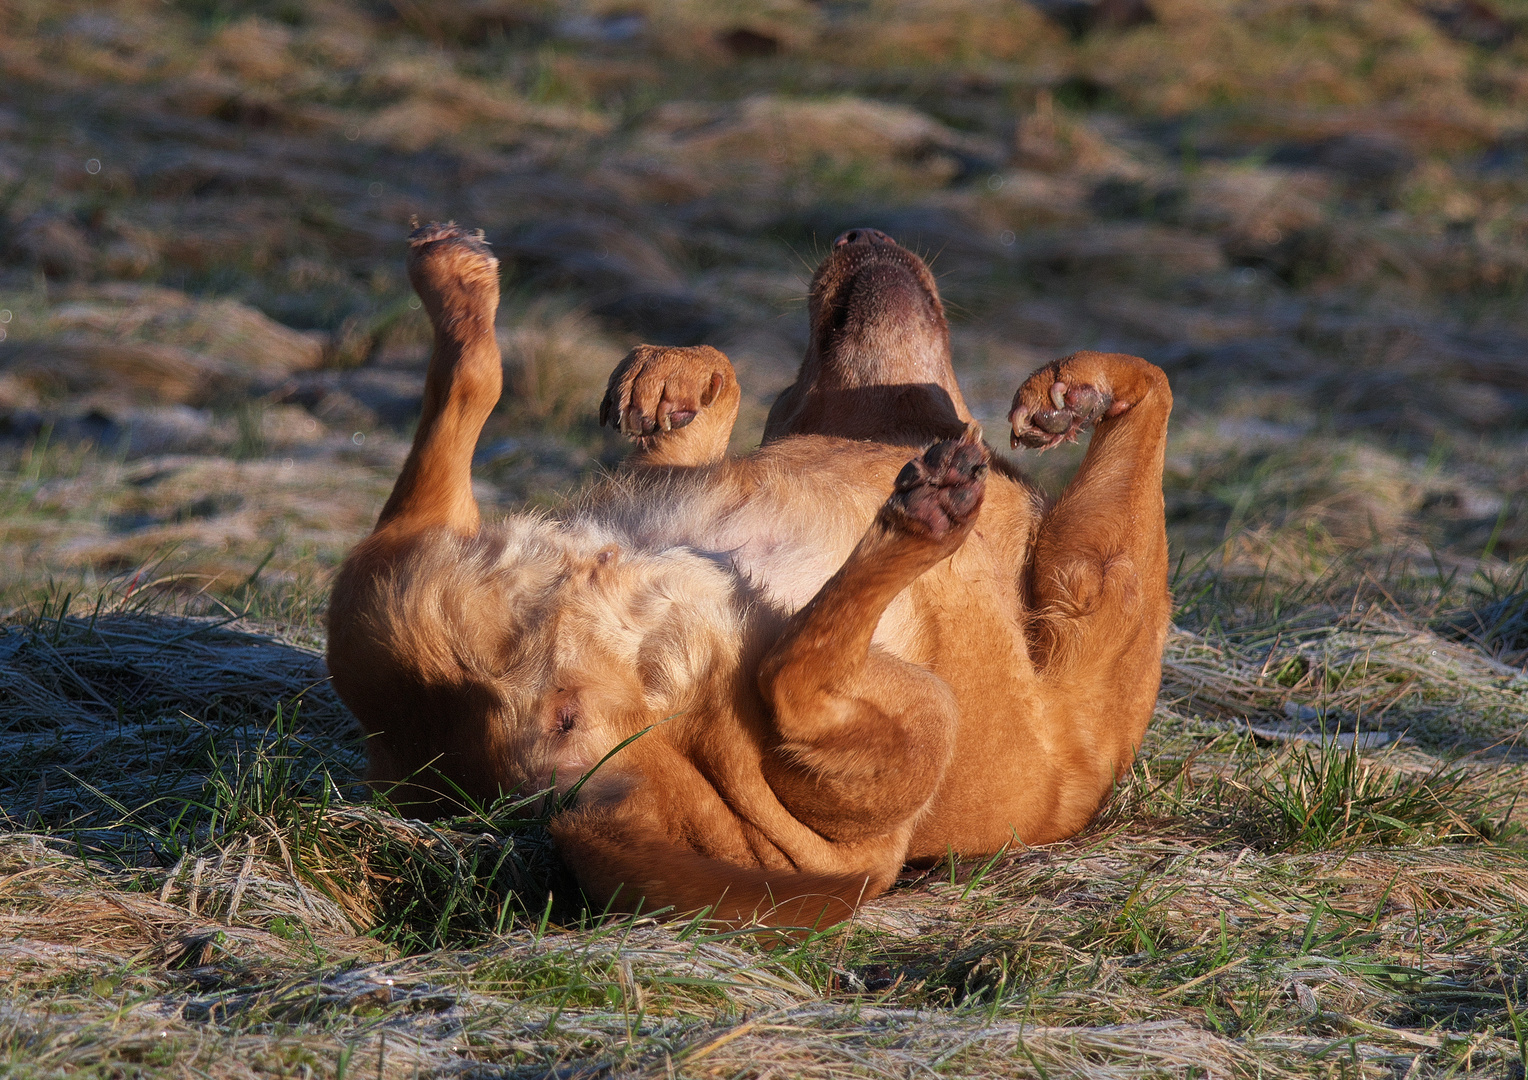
point(941, 491)
point(1043, 418)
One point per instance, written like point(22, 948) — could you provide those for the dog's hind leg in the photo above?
point(863, 737)
point(413, 632)
point(458, 280)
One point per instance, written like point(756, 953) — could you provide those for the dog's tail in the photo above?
point(640, 874)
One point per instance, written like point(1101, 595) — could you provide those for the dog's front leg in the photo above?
point(677, 404)
point(863, 737)
point(1097, 580)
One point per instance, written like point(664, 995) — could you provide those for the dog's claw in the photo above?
point(656, 389)
point(1048, 411)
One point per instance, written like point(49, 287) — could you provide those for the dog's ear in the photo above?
point(670, 618)
point(690, 627)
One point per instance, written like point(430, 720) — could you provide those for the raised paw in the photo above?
point(452, 269)
point(1070, 395)
point(940, 492)
point(658, 389)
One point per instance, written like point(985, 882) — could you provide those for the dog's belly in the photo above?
point(786, 532)
point(785, 518)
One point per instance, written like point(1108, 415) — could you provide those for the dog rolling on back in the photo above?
point(861, 645)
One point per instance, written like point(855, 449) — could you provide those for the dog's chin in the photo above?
point(574, 773)
point(584, 789)
point(882, 292)
point(844, 268)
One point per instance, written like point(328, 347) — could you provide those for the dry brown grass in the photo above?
point(198, 883)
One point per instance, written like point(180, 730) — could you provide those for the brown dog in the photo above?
point(797, 670)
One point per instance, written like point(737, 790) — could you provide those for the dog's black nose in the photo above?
point(862, 236)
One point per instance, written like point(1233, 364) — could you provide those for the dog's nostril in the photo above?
point(862, 236)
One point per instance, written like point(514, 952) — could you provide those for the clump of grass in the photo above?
point(413, 885)
point(1325, 796)
point(1320, 797)
point(556, 364)
point(1497, 621)
point(193, 744)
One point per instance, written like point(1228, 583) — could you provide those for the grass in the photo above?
point(191, 879)
point(1322, 798)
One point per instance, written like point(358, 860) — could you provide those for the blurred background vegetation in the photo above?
point(1312, 213)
